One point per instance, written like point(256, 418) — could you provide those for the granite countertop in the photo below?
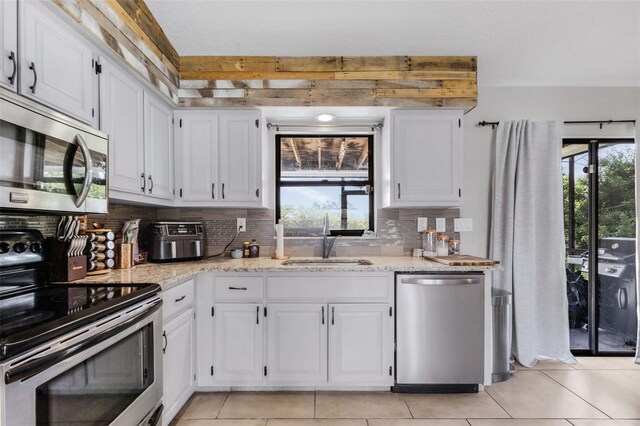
point(169, 273)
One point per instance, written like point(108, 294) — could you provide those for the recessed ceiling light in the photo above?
point(325, 117)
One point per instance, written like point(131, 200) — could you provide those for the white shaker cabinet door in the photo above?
point(178, 367)
point(197, 155)
point(360, 344)
point(240, 156)
point(296, 343)
point(238, 330)
point(56, 63)
point(158, 147)
point(9, 44)
point(122, 118)
point(426, 158)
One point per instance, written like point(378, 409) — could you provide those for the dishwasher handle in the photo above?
point(441, 281)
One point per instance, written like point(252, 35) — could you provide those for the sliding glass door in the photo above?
point(599, 202)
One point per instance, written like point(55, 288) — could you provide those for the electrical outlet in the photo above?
point(441, 224)
point(241, 224)
point(422, 224)
point(463, 224)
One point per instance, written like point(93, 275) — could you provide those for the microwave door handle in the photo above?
point(88, 170)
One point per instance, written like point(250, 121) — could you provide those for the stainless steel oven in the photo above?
point(50, 162)
point(106, 373)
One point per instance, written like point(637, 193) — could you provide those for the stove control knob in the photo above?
point(36, 248)
point(4, 248)
point(19, 247)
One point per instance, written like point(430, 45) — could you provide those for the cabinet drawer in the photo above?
point(177, 298)
point(238, 288)
point(329, 289)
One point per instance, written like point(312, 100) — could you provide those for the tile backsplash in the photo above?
point(395, 231)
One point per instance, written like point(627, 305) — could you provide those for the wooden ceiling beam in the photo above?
point(363, 156)
point(296, 154)
point(341, 152)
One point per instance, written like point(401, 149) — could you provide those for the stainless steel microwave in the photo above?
point(48, 161)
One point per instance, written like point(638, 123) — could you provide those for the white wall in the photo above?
point(537, 103)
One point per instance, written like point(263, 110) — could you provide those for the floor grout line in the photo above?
point(222, 406)
point(563, 386)
point(499, 405)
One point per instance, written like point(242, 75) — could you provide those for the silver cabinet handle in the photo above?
point(623, 300)
point(150, 184)
point(32, 67)
point(257, 314)
point(223, 191)
point(213, 191)
point(237, 288)
point(323, 315)
point(180, 299)
point(144, 182)
point(166, 342)
point(398, 191)
point(333, 315)
point(12, 78)
point(441, 281)
point(88, 170)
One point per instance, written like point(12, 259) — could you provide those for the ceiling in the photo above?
point(518, 43)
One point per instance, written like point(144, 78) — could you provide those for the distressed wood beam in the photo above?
point(363, 156)
point(296, 154)
point(341, 152)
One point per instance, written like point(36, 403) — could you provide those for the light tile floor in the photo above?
point(594, 392)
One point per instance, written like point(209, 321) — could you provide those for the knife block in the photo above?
point(63, 267)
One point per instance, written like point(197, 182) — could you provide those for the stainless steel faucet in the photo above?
point(327, 244)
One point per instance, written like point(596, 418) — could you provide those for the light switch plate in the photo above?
point(441, 224)
point(463, 224)
point(422, 224)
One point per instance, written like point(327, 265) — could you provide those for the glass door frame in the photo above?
point(593, 301)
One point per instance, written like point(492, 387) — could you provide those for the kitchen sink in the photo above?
point(327, 262)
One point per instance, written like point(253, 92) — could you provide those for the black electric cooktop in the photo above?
point(32, 314)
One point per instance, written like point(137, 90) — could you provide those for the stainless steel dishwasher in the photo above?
point(439, 332)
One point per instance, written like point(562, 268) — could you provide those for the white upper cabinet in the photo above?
point(121, 117)
point(196, 151)
point(158, 146)
point(360, 344)
point(9, 44)
point(218, 158)
point(296, 343)
point(56, 63)
point(239, 154)
point(426, 158)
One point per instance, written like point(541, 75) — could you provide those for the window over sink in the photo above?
point(318, 175)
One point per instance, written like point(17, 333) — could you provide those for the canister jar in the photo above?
point(429, 242)
point(454, 247)
point(442, 245)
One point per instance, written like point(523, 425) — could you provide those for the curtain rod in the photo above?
point(493, 124)
point(372, 126)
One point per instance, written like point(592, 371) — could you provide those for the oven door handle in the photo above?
point(38, 365)
point(88, 170)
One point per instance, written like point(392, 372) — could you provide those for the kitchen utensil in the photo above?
point(236, 254)
point(60, 228)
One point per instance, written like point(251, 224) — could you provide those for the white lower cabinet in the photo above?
point(178, 349)
point(360, 349)
point(296, 343)
point(238, 330)
point(295, 330)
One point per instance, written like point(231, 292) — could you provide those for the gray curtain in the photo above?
point(527, 237)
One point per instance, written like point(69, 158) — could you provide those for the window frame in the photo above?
point(343, 183)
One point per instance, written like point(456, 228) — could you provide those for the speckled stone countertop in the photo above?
point(168, 273)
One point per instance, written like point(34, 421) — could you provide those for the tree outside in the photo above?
point(616, 192)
